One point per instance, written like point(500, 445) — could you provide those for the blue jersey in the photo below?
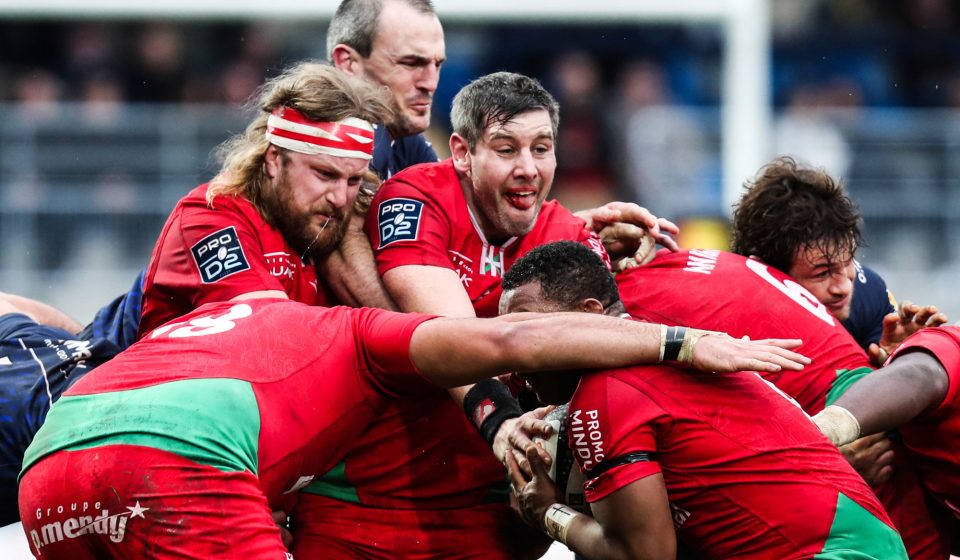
point(119, 320)
point(871, 302)
point(393, 156)
point(37, 364)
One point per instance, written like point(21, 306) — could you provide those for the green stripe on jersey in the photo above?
point(857, 534)
point(214, 422)
point(845, 378)
point(335, 485)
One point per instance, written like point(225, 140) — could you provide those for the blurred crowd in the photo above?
point(639, 101)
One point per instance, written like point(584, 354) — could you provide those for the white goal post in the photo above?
point(744, 24)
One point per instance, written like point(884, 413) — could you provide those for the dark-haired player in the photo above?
point(799, 220)
point(182, 445)
point(443, 235)
point(728, 460)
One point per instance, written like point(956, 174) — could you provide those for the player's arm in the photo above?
point(452, 352)
point(914, 383)
point(428, 289)
point(633, 522)
point(38, 311)
point(350, 271)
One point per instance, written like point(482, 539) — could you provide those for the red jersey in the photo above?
point(721, 291)
point(295, 402)
point(420, 217)
point(747, 473)
point(216, 252)
point(424, 453)
point(934, 437)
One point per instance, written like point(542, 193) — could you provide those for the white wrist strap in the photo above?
point(558, 520)
point(690, 339)
point(838, 424)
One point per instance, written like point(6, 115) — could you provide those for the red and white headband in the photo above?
point(350, 137)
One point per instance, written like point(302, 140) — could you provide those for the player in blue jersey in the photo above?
point(824, 234)
point(37, 364)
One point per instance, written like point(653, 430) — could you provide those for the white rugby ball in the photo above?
point(564, 471)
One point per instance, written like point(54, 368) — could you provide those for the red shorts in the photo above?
point(127, 501)
point(335, 530)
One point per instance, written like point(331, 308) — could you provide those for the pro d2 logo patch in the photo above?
point(219, 255)
point(399, 220)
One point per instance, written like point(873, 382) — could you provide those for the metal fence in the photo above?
point(85, 189)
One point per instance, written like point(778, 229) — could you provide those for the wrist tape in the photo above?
point(557, 521)
point(838, 424)
point(678, 343)
point(488, 404)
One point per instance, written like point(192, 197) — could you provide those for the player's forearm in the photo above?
point(351, 272)
point(891, 396)
point(588, 538)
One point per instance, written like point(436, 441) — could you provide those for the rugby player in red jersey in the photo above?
point(422, 482)
point(728, 460)
point(183, 444)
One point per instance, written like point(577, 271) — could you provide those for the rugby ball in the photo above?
point(564, 471)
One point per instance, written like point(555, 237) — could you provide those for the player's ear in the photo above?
point(272, 161)
point(347, 60)
point(591, 305)
point(460, 151)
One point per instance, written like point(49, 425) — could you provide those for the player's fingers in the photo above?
point(537, 466)
point(782, 343)
point(937, 320)
point(924, 314)
point(668, 242)
point(779, 359)
point(514, 472)
point(667, 226)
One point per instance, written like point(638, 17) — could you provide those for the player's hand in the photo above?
point(908, 319)
point(534, 493)
point(718, 352)
point(280, 518)
point(515, 438)
point(871, 457)
point(622, 226)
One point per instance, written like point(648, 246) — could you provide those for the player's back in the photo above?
point(221, 387)
point(747, 473)
point(721, 291)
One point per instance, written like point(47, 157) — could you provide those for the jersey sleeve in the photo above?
point(944, 344)
point(218, 252)
point(610, 421)
point(407, 227)
point(383, 345)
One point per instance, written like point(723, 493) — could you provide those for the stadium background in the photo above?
point(109, 112)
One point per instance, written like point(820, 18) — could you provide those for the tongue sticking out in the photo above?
point(522, 200)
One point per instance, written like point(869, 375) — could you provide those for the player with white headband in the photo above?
point(281, 201)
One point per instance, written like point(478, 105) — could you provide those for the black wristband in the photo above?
point(674, 341)
point(488, 404)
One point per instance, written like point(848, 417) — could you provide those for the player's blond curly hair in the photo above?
point(321, 93)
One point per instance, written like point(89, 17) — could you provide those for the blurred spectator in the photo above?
point(156, 72)
point(669, 164)
point(808, 129)
point(584, 176)
point(37, 92)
